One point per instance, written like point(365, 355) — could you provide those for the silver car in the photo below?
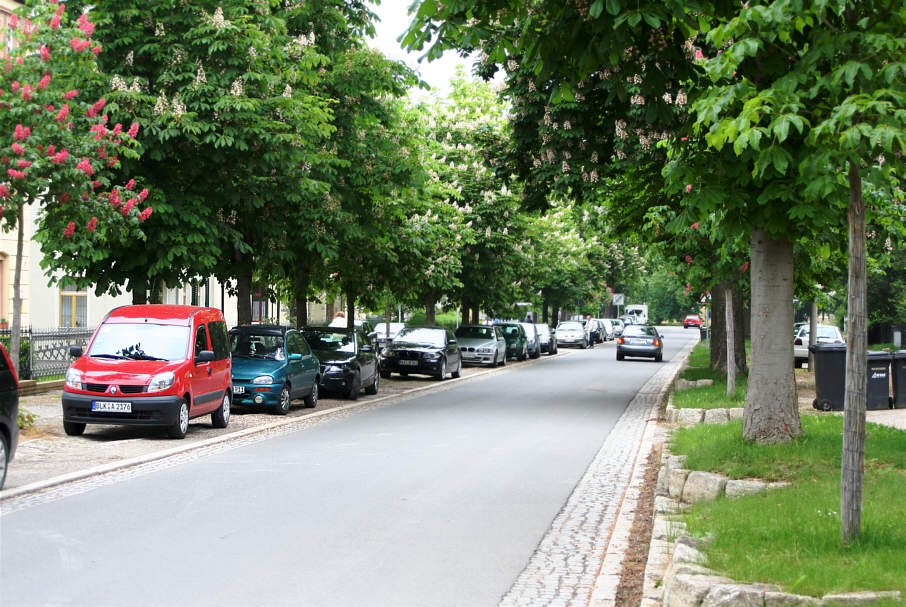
point(532, 339)
point(827, 334)
point(547, 338)
point(572, 333)
point(481, 345)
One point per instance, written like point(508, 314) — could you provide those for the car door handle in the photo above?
point(209, 370)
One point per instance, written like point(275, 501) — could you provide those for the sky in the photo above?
point(394, 20)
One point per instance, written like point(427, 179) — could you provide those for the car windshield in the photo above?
point(141, 341)
point(510, 330)
point(475, 333)
point(823, 332)
point(574, 326)
point(330, 341)
point(421, 336)
point(639, 330)
point(253, 345)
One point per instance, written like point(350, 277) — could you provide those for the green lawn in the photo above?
point(707, 397)
point(791, 536)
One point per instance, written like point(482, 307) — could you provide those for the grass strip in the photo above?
point(707, 397)
point(791, 536)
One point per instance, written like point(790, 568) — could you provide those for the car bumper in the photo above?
point(478, 358)
point(421, 366)
point(570, 341)
point(641, 351)
point(256, 394)
point(337, 381)
point(146, 410)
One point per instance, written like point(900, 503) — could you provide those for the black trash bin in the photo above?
point(877, 391)
point(898, 372)
point(703, 330)
point(830, 376)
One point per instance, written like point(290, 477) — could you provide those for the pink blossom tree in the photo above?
point(56, 146)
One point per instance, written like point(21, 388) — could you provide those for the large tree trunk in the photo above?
point(300, 298)
point(476, 315)
point(718, 345)
point(139, 285)
point(852, 470)
point(350, 311)
point(544, 315)
point(731, 344)
point(739, 331)
point(555, 316)
point(430, 303)
point(244, 295)
point(14, 336)
point(772, 410)
point(466, 312)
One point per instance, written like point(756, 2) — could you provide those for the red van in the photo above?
point(151, 365)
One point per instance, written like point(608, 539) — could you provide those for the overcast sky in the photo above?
point(394, 20)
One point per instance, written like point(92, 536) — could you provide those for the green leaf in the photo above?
point(596, 8)
point(613, 7)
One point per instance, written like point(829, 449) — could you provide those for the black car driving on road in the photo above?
point(423, 351)
point(348, 360)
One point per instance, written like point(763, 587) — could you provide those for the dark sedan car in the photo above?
point(516, 340)
point(640, 340)
point(9, 413)
point(348, 360)
point(422, 351)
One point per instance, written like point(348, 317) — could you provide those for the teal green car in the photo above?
point(516, 340)
point(272, 367)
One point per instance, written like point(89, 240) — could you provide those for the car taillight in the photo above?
point(620, 340)
point(657, 342)
point(798, 341)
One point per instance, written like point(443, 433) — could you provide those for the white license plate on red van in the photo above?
point(104, 406)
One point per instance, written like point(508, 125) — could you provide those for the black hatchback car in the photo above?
point(348, 360)
point(9, 413)
point(423, 351)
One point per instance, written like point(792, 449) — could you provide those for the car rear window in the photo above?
point(638, 330)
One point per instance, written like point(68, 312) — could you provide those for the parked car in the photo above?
point(481, 344)
point(348, 360)
point(272, 367)
point(605, 330)
point(827, 334)
point(9, 413)
point(617, 325)
point(571, 333)
point(381, 337)
point(151, 365)
point(641, 340)
point(516, 341)
point(424, 351)
point(547, 337)
point(627, 320)
point(692, 320)
point(532, 343)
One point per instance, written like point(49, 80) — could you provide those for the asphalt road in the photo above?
point(436, 500)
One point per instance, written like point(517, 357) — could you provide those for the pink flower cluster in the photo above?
point(70, 230)
point(97, 107)
point(21, 133)
point(85, 167)
point(92, 224)
point(59, 157)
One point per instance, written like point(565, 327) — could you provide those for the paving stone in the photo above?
point(676, 480)
point(735, 413)
point(783, 599)
point(734, 595)
point(666, 505)
point(703, 486)
point(688, 589)
point(741, 487)
point(689, 417)
point(716, 416)
point(663, 485)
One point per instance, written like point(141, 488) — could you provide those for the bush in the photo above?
point(24, 355)
point(26, 419)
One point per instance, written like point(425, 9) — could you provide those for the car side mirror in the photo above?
point(75, 351)
point(205, 356)
point(295, 356)
point(366, 348)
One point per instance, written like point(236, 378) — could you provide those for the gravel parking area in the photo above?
point(45, 452)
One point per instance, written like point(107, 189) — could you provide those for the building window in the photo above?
point(73, 305)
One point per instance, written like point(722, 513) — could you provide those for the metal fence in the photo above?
point(45, 352)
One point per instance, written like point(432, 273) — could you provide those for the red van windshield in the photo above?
point(141, 341)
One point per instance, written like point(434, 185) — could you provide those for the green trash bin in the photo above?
point(898, 372)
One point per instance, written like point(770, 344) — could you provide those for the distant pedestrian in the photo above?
point(591, 327)
point(339, 320)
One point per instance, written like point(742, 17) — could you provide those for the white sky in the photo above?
point(394, 20)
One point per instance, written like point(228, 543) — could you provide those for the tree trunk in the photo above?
point(739, 331)
point(718, 344)
point(244, 295)
point(544, 315)
point(555, 317)
point(139, 286)
point(14, 336)
point(772, 410)
point(350, 311)
point(300, 298)
point(476, 315)
point(466, 312)
point(388, 310)
point(430, 302)
point(731, 343)
point(853, 470)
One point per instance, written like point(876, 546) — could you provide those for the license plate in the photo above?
point(641, 342)
point(111, 407)
point(238, 389)
point(409, 363)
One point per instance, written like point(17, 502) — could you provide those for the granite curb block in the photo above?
point(690, 416)
point(87, 473)
point(676, 574)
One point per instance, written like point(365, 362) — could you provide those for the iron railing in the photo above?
point(45, 352)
